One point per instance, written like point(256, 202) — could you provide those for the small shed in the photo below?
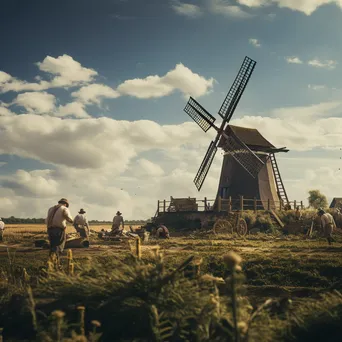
point(336, 203)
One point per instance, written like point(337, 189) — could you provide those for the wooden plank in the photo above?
point(277, 218)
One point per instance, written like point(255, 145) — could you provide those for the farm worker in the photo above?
point(117, 220)
point(2, 228)
point(81, 224)
point(162, 232)
point(328, 224)
point(56, 225)
point(298, 214)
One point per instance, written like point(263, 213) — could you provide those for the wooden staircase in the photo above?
point(279, 183)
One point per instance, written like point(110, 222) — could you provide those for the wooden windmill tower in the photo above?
point(249, 166)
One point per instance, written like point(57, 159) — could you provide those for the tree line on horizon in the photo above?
point(18, 220)
point(316, 200)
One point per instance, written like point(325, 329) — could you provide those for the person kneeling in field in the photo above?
point(56, 225)
point(162, 232)
point(2, 228)
point(328, 224)
point(81, 224)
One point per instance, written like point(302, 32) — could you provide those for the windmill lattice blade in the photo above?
point(205, 166)
point(204, 119)
point(236, 90)
point(243, 155)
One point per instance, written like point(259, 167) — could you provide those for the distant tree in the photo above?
point(317, 199)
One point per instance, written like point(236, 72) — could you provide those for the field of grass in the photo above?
point(109, 281)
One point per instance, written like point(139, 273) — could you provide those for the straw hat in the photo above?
point(64, 201)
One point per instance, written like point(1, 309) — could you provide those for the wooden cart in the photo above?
point(232, 223)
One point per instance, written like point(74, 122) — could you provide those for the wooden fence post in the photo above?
point(158, 206)
point(268, 204)
point(205, 204)
point(229, 204)
point(301, 205)
point(295, 205)
point(280, 205)
point(219, 203)
point(255, 204)
point(164, 207)
point(241, 203)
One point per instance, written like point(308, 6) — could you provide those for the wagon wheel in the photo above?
point(241, 227)
point(222, 227)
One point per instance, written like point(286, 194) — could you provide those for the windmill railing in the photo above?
point(224, 205)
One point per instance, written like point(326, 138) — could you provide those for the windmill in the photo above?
point(249, 166)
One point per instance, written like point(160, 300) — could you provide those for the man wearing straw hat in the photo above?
point(2, 228)
point(117, 220)
point(81, 224)
point(328, 224)
point(56, 220)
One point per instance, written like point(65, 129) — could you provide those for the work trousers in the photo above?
point(328, 229)
point(57, 238)
point(82, 230)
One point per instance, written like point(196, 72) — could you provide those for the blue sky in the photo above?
point(296, 83)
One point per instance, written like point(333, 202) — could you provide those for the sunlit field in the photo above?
point(307, 273)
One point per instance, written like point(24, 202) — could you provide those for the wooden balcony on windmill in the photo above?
point(184, 204)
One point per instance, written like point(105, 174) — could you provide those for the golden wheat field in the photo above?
point(41, 228)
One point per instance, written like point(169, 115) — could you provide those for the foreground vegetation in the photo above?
point(175, 290)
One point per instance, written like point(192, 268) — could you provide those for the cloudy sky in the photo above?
point(92, 96)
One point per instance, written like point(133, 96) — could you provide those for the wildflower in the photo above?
point(138, 248)
point(238, 268)
point(242, 326)
point(213, 299)
point(81, 310)
point(96, 324)
point(208, 277)
point(197, 261)
point(232, 260)
point(69, 254)
point(58, 313)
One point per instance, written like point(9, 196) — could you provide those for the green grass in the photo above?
point(114, 287)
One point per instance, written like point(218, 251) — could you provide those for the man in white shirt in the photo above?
point(2, 228)
point(56, 220)
point(328, 224)
point(117, 220)
point(81, 224)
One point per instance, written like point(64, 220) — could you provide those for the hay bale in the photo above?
point(77, 243)
point(42, 243)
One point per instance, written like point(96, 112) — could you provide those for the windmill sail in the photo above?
point(233, 144)
point(242, 154)
point(205, 166)
point(204, 119)
point(235, 92)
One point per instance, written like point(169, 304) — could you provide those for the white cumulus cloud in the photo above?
point(305, 6)
point(226, 8)
point(186, 9)
point(293, 60)
point(254, 42)
point(316, 86)
point(36, 102)
point(180, 78)
point(93, 93)
point(328, 64)
point(63, 71)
